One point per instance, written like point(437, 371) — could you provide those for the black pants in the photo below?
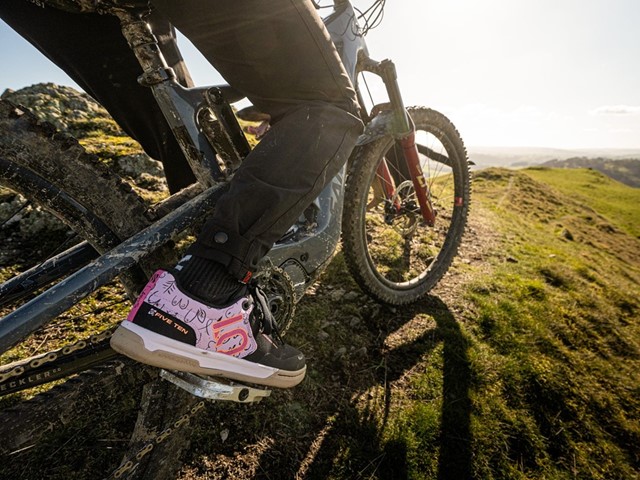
point(277, 52)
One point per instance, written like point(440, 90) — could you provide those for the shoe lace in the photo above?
point(269, 325)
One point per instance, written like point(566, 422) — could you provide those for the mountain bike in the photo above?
point(398, 207)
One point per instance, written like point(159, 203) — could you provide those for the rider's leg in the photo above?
point(90, 48)
point(279, 54)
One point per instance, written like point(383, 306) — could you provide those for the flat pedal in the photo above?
point(214, 389)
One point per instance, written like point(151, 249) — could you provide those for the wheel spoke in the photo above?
point(390, 249)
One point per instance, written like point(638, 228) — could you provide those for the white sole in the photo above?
point(151, 348)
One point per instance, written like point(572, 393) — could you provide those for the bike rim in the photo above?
point(401, 249)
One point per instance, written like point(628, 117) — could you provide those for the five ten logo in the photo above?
point(231, 336)
point(152, 311)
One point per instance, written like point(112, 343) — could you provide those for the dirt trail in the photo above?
point(347, 399)
point(362, 358)
point(479, 241)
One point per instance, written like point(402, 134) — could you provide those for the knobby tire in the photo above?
point(53, 170)
point(396, 258)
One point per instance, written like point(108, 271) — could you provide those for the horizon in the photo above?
point(635, 150)
point(563, 149)
point(544, 75)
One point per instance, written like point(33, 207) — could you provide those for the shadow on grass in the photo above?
point(356, 447)
point(336, 425)
point(455, 436)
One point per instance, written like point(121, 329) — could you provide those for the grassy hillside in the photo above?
point(523, 364)
point(606, 197)
point(554, 329)
point(626, 171)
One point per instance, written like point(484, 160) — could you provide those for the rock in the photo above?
point(79, 115)
point(149, 182)
point(340, 352)
point(351, 296)
point(65, 108)
point(138, 164)
point(566, 234)
point(30, 219)
point(337, 295)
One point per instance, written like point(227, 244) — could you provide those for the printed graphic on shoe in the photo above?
point(168, 328)
point(165, 309)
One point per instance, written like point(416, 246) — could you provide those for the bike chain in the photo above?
point(132, 462)
point(278, 285)
point(22, 368)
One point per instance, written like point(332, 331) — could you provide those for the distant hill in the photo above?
point(626, 171)
point(517, 157)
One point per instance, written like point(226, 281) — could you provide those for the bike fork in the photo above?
point(406, 138)
point(388, 184)
point(410, 151)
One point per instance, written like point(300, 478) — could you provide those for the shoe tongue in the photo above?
point(209, 280)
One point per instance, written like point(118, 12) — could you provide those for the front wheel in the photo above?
point(392, 253)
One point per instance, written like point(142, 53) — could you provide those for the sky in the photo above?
point(535, 73)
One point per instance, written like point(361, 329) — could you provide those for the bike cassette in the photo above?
point(214, 389)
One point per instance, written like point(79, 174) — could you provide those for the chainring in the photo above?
point(278, 287)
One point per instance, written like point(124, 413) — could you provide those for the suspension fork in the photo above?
point(410, 151)
point(405, 133)
point(388, 183)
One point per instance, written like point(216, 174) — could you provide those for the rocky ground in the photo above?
point(348, 338)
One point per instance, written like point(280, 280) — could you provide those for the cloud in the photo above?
point(616, 110)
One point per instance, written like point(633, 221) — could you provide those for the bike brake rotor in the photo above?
point(406, 222)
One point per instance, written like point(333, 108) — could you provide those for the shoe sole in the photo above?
point(157, 350)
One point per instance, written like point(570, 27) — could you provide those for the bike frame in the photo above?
point(306, 248)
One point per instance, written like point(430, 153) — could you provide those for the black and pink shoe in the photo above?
point(170, 329)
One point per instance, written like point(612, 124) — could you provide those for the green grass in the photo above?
point(556, 321)
point(523, 365)
point(539, 377)
point(610, 199)
point(109, 147)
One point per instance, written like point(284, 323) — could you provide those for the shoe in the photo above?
point(170, 329)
